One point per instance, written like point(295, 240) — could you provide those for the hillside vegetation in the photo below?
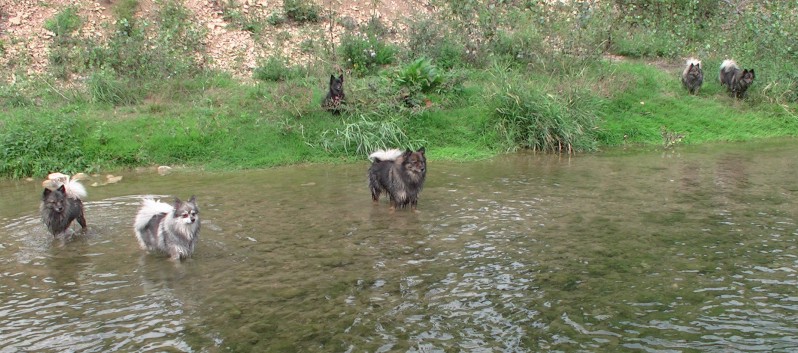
point(466, 79)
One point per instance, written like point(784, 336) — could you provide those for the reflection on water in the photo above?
point(692, 250)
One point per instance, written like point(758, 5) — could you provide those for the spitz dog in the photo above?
point(736, 81)
point(172, 230)
point(399, 174)
point(692, 76)
point(61, 203)
point(335, 96)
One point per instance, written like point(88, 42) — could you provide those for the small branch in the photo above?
point(56, 91)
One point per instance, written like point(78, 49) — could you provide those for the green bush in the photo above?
point(301, 10)
point(365, 135)
point(275, 69)
point(420, 75)
point(12, 96)
point(104, 87)
point(364, 53)
point(430, 38)
point(64, 23)
point(529, 117)
point(37, 145)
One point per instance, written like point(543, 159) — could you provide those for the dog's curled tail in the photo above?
point(385, 155)
point(150, 208)
point(72, 187)
point(76, 190)
point(728, 65)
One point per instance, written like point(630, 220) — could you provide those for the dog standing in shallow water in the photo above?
point(399, 174)
point(736, 81)
point(692, 76)
point(168, 229)
point(61, 203)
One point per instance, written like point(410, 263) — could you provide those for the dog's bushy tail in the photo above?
point(150, 208)
point(72, 187)
point(76, 190)
point(727, 66)
point(385, 155)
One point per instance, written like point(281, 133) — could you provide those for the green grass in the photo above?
point(654, 99)
point(214, 122)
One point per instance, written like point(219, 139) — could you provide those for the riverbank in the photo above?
point(95, 88)
point(215, 122)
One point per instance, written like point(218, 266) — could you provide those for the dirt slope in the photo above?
point(25, 43)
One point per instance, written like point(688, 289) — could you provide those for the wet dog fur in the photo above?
point(168, 229)
point(399, 174)
point(59, 208)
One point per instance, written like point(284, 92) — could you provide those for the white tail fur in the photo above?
point(149, 208)
point(73, 188)
point(728, 64)
point(385, 155)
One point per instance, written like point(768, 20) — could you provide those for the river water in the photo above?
point(685, 250)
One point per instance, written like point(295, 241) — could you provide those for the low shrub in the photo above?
point(529, 117)
point(301, 10)
point(364, 53)
point(38, 145)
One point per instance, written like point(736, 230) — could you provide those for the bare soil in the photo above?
point(25, 42)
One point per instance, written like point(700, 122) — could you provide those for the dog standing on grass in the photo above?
point(168, 229)
point(62, 203)
point(399, 174)
point(736, 81)
point(335, 95)
point(692, 76)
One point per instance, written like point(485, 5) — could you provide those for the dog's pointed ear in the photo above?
point(46, 192)
point(341, 78)
point(752, 72)
point(407, 153)
point(62, 188)
point(177, 202)
point(421, 150)
point(332, 79)
point(193, 199)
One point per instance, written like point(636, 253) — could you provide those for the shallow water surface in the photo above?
point(688, 250)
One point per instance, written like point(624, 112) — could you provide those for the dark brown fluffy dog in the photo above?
point(736, 81)
point(399, 174)
point(62, 202)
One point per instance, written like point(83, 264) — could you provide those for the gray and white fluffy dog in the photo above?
point(692, 76)
point(399, 174)
point(168, 229)
point(736, 80)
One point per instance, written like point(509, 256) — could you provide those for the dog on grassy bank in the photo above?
point(169, 229)
point(736, 81)
point(335, 95)
point(692, 76)
point(62, 203)
point(399, 174)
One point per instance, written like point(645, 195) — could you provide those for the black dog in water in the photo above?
point(399, 174)
point(61, 203)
